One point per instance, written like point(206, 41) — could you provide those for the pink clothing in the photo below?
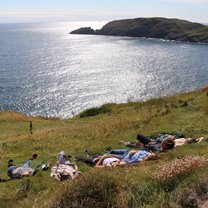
point(180, 142)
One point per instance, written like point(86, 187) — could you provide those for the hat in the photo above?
point(62, 153)
point(67, 162)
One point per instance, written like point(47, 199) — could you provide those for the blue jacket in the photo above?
point(136, 157)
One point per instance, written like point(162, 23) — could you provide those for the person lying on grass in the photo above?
point(64, 169)
point(64, 159)
point(28, 163)
point(15, 172)
point(171, 142)
point(166, 143)
point(181, 141)
point(120, 154)
point(90, 159)
point(134, 156)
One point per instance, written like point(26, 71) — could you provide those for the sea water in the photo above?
point(46, 71)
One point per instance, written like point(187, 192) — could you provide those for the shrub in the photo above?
point(96, 189)
point(179, 167)
point(95, 111)
point(194, 195)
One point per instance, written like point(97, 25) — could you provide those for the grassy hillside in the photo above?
point(170, 29)
point(146, 185)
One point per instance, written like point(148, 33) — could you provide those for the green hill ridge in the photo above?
point(177, 179)
point(157, 27)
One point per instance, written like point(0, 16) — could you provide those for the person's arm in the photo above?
point(128, 157)
point(100, 161)
point(151, 156)
point(61, 159)
point(134, 145)
point(152, 143)
point(27, 164)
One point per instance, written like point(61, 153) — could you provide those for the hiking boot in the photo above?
point(34, 173)
point(3, 180)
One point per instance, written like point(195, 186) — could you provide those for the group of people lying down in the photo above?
point(146, 150)
point(63, 169)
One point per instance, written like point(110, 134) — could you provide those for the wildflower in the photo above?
point(179, 166)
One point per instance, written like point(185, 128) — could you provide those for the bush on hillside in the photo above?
point(193, 195)
point(95, 111)
point(179, 167)
point(97, 189)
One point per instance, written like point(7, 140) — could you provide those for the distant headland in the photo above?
point(157, 27)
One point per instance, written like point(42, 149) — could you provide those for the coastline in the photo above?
point(157, 27)
point(22, 114)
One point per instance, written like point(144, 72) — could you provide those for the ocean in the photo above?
point(46, 71)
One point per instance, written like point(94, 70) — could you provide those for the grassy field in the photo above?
point(148, 185)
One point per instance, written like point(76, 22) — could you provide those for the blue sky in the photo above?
point(66, 10)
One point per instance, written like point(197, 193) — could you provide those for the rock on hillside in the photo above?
point(84, 30)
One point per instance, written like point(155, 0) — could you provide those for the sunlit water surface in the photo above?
point(45, 71)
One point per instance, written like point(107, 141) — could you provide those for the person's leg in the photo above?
point(119, 152)
point(191, 140)
point(122, 142)
point(200, 139)
point(87, 160)
point(143, 139)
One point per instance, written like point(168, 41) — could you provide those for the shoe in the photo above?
point(34, 173)
point(200, 139)
point(44, 167)
point(3, 180)
point(87, 154)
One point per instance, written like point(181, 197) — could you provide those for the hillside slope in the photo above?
point(133, 186)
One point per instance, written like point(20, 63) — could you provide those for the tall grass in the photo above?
point(121, 187)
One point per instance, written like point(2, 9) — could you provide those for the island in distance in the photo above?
point(157, 27)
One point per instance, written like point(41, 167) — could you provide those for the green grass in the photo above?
point(120, 187)
point(95, 111)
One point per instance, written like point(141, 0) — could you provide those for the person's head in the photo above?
point(118, 163)
point(34, 156)
point(173, 137)
point(10, 163)
point(62, 153)
point(167, 144)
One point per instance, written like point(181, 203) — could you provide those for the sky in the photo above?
point(100, 10)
